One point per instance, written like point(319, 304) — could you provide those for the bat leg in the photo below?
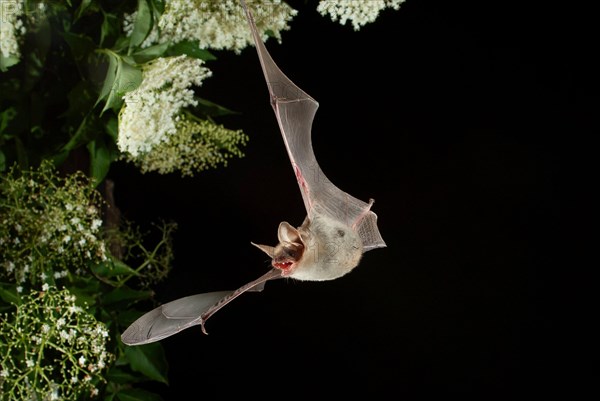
point(203, 328)
point(364, 213)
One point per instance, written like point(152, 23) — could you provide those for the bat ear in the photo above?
point(287, 233)
point(269, 250)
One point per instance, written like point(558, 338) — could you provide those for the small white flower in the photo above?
point(43, 276)
point(66, 239)
point(75, 309)
point(4, 373)
point(219, 24)
point(60, 322)
point(81, 361)
point(30, 363)
point(358, 12)
point(150, 112)
point(45, 328)
point(10, 266)
point(75, 220)
point(74, 379)
point(45, 287)
point(20, 289)
point(82, 242)
point(96, 223)
point(11, 27)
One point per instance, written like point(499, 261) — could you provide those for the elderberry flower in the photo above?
point(57, 225)
point(17, 17)
point(358, 12)
point(216, 24)
point(11, 27)
point(197, 145)
point(150, 113)
point(64, 361)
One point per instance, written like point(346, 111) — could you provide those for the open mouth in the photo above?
point(283, 265)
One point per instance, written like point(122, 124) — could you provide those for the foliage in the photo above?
point(65, 294)
point(53, 349)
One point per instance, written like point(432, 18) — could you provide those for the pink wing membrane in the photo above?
point(295, 111)
point(183, 313)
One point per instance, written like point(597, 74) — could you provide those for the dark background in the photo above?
point(468, 123)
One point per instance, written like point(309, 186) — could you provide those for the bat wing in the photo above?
point(178, 315)
point(295, 111)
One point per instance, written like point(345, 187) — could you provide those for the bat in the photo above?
point(337, 230)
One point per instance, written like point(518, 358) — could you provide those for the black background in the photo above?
point(468, 123)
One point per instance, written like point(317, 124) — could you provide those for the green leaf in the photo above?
point(81, 45)
point(112, 128)
point(158, 6)
point(8, 292)
point(208, 108)
point(6, 116)
point(190, 49)
point(124, 294)
point(128, 316)
point(112, 268)
point(82, 8)
point(121, 77)
point(141, 26)
point(2, 161)
point(150, 53)
point(111, 75)
point(110, 27)
point(101, 157)
point(150, 360)
point(118, 375)
point(136, 394)
point(85, 290)
point(6, 62)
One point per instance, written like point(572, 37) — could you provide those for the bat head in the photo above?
point(287, 254)
point(320, 249)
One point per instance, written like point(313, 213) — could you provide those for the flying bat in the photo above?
point(337, 230)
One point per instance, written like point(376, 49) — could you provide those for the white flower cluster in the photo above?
point(51, 349)
point(11, 27)
point(49, 226)
point(217, 24)
point(150, 112)
point(359, 12)
point(198, 145)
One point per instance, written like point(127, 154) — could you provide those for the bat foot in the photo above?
point(203, 328)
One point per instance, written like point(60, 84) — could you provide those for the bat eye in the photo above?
point(292, 253)
point(341, 233)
